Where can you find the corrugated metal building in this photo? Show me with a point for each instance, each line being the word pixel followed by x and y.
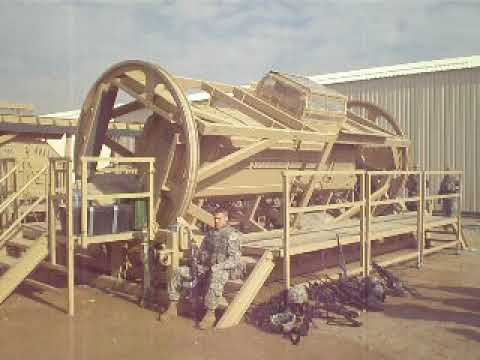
pixel 436 103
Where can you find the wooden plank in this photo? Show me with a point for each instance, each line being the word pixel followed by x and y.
pixel 206 129
pixel 201 214
pixel 209 115
pixel 263 106
pixel 370 125
pixel 40 285
pixel 235 117
pixel 190 84
pixel 247 293
pixel 117 148
pixel 237 104
pixel 165 172
pixel 227 190
pixel 232 159
pixel 16 106
pixel 307 194
pixel 250 217
pixel 137 91
pixel 127 108
pixel 103 239
pixel 371 139
pixel 138 195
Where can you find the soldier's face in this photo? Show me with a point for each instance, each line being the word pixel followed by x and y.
pixel 221 220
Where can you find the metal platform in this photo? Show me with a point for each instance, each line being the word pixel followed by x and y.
pixel 324 236
pixel 54 127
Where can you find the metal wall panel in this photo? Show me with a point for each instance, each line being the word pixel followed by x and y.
pixel 439 113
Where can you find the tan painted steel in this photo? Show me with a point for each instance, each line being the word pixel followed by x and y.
pixel 233 145
pixel 438 110
pixel 369 227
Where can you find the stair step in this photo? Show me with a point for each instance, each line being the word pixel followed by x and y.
pixel 7 261
pixel 34 230
pixel 20 243
pixel 19 268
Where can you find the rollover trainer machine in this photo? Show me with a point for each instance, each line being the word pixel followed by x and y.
pixel 232 144
pixel 227 146
pixel 267 152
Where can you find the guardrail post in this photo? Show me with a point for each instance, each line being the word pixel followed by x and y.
pixel 368 225
pixel 51 212
pixel 363 237
pixel 420 218
pixel 147 239
pixel 16 204
pixel 84 210
pixel 70 240
pixel 286 229
pixel 459 212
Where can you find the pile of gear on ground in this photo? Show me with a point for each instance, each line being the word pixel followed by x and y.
pixel 337 301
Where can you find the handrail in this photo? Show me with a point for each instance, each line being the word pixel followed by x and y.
pixel 9 172
pixel 308 209
pixel 12 198
pixel 86 196
pixel 89 159
pixel 443 196
pixel 395 201
pixel 367 201
pixel 394 172
pixel 3 236
pixel 443 172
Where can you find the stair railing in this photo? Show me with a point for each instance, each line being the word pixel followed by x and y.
pixel 14 198
pixel 7 175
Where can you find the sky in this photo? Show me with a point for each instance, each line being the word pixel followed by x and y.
pixel 51 52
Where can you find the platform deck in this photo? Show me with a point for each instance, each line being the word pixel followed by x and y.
pixel 324 236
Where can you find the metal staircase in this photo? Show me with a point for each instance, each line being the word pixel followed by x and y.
pixel 20 256
pixel 22 246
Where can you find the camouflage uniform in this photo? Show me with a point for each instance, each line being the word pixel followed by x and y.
pixel 449 185
pixel 297 295
pixel 412 190
pixel 220 253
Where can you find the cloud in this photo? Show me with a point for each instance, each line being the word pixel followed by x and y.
pixel 52 52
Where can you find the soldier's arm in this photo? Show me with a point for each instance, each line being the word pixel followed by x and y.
pixel 233 253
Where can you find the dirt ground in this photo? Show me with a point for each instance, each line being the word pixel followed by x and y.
pixel 442 323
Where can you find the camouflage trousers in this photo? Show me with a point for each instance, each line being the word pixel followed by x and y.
pixel 214 290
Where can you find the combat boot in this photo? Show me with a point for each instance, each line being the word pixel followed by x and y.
pixel 222 303
pixel 170 313
pixel 208 320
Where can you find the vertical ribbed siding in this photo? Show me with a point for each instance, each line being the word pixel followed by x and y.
pixel 438 112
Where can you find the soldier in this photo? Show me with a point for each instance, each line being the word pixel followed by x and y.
pixel 219 261
pixel 413 188
pixel 449 185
